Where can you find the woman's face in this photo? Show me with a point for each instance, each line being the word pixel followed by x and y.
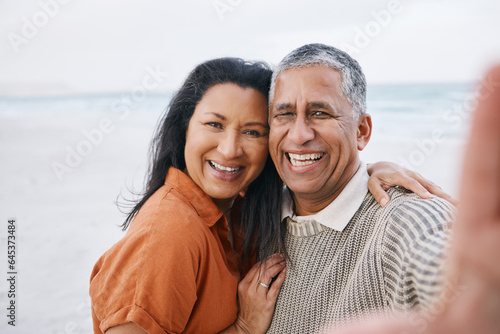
pixel 226 140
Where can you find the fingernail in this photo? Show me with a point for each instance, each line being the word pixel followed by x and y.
pixel 384 202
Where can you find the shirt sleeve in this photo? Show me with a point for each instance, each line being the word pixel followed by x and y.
pixel 415 246
pixel 150 276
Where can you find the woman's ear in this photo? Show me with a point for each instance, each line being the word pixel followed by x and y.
pixel 243 192
pixel 364 130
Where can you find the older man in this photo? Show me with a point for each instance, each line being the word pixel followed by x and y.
pixel 475 256
pixel 348 255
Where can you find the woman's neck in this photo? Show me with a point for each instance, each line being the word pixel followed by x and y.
pixel 224 205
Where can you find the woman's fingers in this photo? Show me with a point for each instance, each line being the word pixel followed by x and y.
pixel 265 270
pixel 412 181
pixel 428 187
pixel 256 301
pixel 387 174
pixel 276 286
pixel 265 282
pixel 375 187
pixel 271 268
pixel 438 191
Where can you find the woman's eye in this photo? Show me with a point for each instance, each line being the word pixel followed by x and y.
pixel 252 133
pixel 216 125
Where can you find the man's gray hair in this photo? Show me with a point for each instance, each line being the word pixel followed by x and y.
pixel 353 79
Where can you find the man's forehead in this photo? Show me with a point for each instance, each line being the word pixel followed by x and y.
pixel 318 84
pixel 317 73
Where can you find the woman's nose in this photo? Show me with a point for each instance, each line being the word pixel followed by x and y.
pixel 230 145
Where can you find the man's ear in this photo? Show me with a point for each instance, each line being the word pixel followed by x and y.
pixel 364 130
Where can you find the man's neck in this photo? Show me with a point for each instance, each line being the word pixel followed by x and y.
pixel 310 204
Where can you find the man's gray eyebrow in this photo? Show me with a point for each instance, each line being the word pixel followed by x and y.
pixel 284 106
pixel 321 105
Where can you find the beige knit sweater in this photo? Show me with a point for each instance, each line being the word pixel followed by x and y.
pixel 388 259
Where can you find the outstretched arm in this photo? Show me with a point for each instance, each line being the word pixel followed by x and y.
pixel 476 252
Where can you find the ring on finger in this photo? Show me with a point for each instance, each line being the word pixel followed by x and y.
pixel 263 284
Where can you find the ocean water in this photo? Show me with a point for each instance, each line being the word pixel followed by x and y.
pixel 401 112
pixel 415 110
pixel 399 109
pixel 68 217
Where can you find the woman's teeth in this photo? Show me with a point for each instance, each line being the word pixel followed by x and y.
pixel 298 160
pixel 224 168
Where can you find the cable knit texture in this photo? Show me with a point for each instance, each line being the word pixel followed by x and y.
pixel 386 259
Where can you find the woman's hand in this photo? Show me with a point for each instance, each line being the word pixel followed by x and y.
pixel 256 301
pixel 384 175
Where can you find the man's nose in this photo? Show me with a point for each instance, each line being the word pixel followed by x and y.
pixel 230 145
pixel 301 132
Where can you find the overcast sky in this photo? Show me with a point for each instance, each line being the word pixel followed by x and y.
pixel 95 46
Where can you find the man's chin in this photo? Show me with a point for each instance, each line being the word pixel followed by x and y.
pixel 303 188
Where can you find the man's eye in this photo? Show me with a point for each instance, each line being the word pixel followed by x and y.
pixel 284 114
pixel 318 113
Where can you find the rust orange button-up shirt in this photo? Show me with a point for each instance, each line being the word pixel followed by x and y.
pixel 174 271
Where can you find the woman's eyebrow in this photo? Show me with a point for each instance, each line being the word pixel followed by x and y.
pixel 216 114
pixel 257 123
pixel 246 124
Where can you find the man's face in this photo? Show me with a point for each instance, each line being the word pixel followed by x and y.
pixel 314 136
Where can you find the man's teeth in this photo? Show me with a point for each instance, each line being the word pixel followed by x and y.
pixel 304 159
pixel 224 168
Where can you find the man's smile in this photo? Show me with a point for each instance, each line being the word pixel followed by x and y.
pixel 299 160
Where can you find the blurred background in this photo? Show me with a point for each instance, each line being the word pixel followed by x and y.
pixel 83 83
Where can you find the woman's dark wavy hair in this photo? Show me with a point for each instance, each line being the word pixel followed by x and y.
pixel 260 212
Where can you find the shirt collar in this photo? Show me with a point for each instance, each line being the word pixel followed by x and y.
pixel 339 212
pixel 200 201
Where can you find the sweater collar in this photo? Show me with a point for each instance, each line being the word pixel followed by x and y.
pixel 201 202
pixel 339 212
